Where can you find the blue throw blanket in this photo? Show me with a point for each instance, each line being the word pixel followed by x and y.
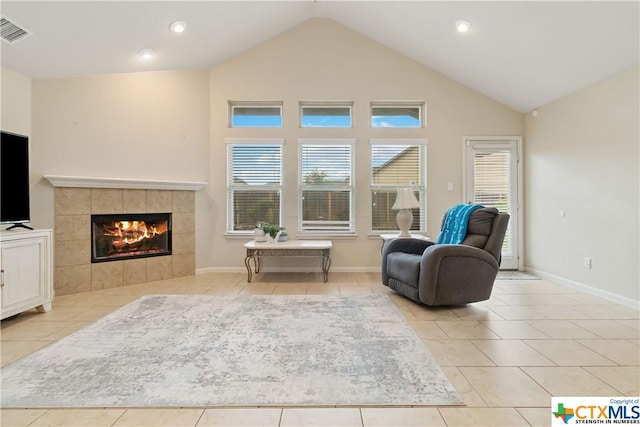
pixel 455 224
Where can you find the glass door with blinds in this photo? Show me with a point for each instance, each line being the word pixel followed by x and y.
pixel 493 179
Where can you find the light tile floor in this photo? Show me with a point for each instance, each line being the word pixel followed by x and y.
pixel 506 356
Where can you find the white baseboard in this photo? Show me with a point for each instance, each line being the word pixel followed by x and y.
pixel 207 270
pixel 618 299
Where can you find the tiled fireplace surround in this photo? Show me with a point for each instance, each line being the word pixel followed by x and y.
pixel 74 271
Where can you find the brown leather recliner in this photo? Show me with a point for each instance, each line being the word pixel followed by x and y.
pixel 446 274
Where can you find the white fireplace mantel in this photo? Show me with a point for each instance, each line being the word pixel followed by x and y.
pixel 126 183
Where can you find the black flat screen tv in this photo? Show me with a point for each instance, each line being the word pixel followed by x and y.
pixel 14 180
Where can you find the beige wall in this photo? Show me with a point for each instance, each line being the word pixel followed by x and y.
pixel 16 102
pixel 323 60
pixel 582 158
pixel 151 125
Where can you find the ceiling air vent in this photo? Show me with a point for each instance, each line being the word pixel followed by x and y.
pixel 11 32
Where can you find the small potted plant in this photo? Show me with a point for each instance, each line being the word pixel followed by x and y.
pixel 273 231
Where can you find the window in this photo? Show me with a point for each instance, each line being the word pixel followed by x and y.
pixel 397 114
pixel 254 183
pixel 326 114
pixel 255 114
pixel 397 163
pixel 326 185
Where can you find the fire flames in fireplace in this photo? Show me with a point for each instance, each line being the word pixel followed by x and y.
pixel 131 233
pixel 139 235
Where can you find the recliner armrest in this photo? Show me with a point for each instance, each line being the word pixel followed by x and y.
pixel 401 244
pixel 450 274
pixel 435 253
pixel 406 245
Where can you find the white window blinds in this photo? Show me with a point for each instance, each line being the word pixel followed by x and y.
pixel 325 185
pixel 254 184
pixel 395 164
pixel 492 185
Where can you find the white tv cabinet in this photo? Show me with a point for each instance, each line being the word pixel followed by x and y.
pixel 25 264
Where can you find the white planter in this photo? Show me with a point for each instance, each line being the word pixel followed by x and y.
pixel 259 235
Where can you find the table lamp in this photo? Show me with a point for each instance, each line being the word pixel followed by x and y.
pixel 405 201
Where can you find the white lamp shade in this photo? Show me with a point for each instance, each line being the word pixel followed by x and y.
pixel 405 199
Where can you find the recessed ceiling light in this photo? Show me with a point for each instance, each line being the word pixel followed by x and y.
pixel 146 54
pixel 463 26
pixel 178 26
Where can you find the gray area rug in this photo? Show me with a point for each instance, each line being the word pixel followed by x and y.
pixel 203 351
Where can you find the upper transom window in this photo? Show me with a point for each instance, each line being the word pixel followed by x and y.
pixel 397 114
pixel 326 114
pixel 255 114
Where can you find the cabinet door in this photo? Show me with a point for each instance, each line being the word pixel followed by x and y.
pixel 23 276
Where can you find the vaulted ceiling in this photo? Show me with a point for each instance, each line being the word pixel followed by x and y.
pixel 521 53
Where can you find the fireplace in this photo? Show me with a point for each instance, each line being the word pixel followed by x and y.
pixel 126 236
